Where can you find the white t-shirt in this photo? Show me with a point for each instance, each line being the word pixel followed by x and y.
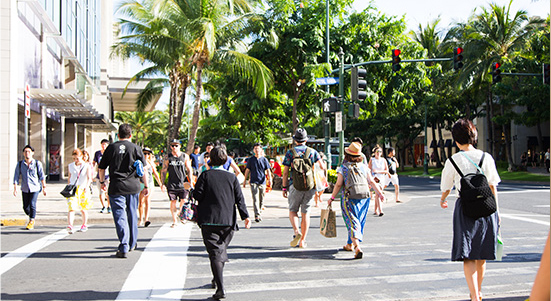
pixel 451 177
pixel 75 170
pixel 378 165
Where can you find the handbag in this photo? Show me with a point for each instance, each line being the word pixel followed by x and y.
pixel 328 222
pixel 189 211
pixel 70 190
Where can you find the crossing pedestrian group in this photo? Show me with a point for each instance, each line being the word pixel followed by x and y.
pixel 126 173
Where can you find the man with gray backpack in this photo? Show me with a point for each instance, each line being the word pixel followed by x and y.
pixel 300 188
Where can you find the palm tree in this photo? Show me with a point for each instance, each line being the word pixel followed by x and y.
pixel 155 34
pixel 494 35
pixel 428 37
pixel 143 124
pixel 180 37
pixel 217 29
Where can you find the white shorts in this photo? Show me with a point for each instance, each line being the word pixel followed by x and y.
pixel 393 179
pixel 99 186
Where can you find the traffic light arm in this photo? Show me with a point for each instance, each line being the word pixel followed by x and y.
pixel 348 67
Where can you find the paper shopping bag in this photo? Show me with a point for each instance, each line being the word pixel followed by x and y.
pixel 328 223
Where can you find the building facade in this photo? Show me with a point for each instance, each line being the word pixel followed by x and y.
pixel 56 53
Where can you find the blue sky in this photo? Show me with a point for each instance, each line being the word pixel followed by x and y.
pixel 421 12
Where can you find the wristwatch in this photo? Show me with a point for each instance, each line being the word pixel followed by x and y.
pixel 102 182
pixel 145 187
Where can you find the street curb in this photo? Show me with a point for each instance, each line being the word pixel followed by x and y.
pixel 13 222
pixel 504 182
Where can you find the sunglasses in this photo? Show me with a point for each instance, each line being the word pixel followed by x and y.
pixel 175 145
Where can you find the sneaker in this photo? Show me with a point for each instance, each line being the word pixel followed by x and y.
pixel 70 229
pixel 84 228
pixel 102 210
pixel 108 209
pixel 120 254
pixel 30 225
pixel 258 219
pixel 296 239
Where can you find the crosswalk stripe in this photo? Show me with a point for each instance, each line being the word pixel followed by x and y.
pixel 15 257
pixel 525 219
pixel 160 273
pixel 360 281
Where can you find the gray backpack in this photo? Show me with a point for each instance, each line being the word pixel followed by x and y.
pixel 356 182
pixel 302 171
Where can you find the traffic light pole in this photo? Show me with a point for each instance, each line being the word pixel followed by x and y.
pixel 341 96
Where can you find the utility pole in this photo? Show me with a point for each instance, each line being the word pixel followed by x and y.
pixel 327 120
pixel 341 96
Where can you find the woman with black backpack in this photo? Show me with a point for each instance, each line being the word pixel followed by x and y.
pixel 475 217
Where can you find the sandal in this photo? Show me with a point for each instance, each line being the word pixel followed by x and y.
pixel 348 247
pixel 359 254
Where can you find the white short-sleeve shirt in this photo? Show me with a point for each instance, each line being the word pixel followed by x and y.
pixel 450 177
pixel 75 170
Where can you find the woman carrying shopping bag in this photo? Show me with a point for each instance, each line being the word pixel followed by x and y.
pixel 354 177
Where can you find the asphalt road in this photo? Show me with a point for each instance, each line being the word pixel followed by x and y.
pixel 406 257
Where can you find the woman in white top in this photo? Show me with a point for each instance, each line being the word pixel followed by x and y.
pixel 80 175
pixel 379 170
pixel 474 240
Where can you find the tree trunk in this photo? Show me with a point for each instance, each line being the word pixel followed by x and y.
pixel 184 83
pixel 490 114
pixel 295 102
pixel 410 148
pixel 540 138
pixel 441 145
pixel 435 148
pixel 196 109
pixel 171 110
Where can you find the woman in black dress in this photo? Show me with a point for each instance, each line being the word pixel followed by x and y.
pixel 474 240
pixel 218 193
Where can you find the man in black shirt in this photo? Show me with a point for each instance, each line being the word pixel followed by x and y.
pixel 178 166
pixel 121 157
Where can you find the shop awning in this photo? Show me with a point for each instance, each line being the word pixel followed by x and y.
pixel 117 86
pixel 71 105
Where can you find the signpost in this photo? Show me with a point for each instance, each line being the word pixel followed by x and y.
pixel 338 122
pixel 27 99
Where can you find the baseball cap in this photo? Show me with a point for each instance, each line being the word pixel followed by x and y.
pixel 175 141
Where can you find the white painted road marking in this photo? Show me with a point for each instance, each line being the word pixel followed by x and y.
pixel 160 273
pixel 525 219
pixel 15 257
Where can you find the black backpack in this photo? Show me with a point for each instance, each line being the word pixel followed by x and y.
pixel 391 167
pixel 476 196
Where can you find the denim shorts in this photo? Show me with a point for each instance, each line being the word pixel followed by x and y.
pixel 300 199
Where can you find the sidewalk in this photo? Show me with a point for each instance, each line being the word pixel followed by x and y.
pixel 52 208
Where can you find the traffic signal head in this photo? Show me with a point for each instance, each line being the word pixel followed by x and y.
pixel 496 73
pixel 358 84
pixel 457 58
pixel 396 59
pixel 546 74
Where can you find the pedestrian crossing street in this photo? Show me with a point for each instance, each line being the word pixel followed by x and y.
pixel 406 258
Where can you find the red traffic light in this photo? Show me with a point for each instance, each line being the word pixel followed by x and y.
pixel 458 50
pixel 396 52
pixel 497 65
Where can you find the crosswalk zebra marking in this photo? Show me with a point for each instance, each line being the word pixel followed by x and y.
pixel 15 257
pixel 161 271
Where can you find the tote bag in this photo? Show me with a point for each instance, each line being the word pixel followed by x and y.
pixel 328 223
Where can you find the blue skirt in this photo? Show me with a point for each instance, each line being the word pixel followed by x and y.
pixel 474 239
pixel 354 213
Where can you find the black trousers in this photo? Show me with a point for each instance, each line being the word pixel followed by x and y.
pixel 216 240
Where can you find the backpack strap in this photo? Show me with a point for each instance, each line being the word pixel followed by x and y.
pixel 295 154
pixel 478 167
pixel 456 168
pixel 307 153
